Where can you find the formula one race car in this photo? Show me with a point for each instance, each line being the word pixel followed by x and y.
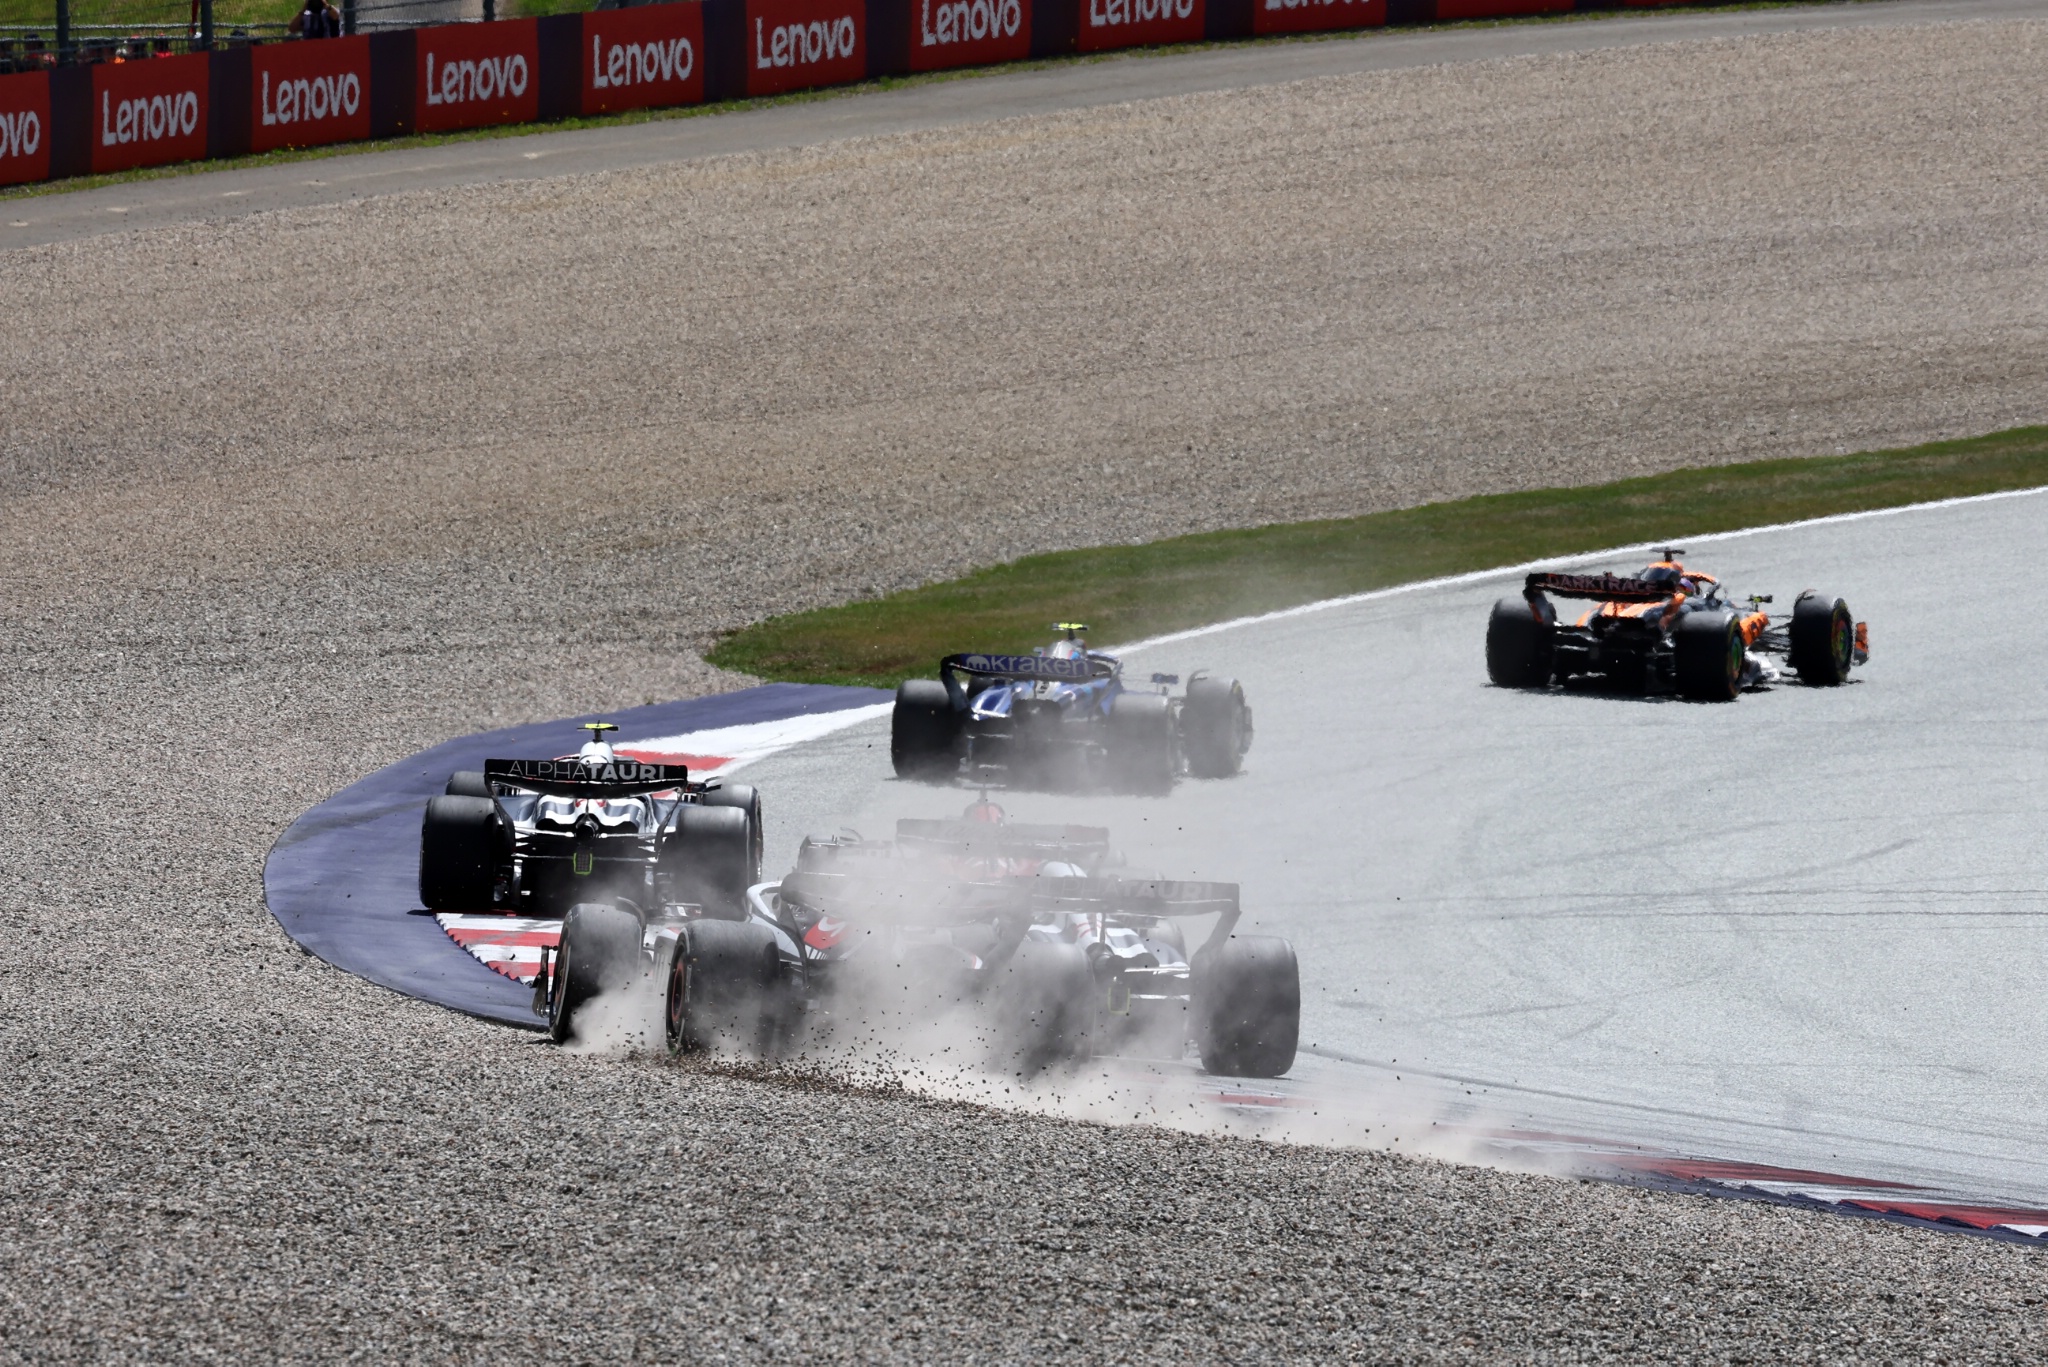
pixel 1021 928
pixel 1063 719
pixel 1668 628
pixel 611 845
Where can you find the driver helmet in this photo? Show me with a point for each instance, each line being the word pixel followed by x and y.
pixel 1668 572
pixel 597 750
pixel 984 813
pixel 1069 649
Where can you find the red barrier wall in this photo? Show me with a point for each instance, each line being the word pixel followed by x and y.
pixel 950 33
pixel 24 128
pixel 304 94
pixel 476 75
pixel 148 113
pixel 1137 23
pixel 1497 9
pixel 1315 16
pixel 642 58
pixel 798 44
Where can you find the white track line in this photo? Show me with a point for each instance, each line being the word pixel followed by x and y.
pixel 1480 576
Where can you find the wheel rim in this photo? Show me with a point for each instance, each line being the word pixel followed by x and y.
pixel 1842 640
pixel 558 993
pixel 677 1010
pixel 1734 660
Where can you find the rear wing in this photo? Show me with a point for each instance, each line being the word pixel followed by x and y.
pixel 1046 668
pixel 893 895
pixel 969 839
pixel 1607 588
pixel 572 778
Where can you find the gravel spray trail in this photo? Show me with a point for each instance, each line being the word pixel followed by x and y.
pixel 289 498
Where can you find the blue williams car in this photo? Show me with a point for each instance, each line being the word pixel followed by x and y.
pixel 1063 719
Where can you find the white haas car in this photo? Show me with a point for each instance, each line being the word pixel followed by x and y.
pixel 1025 927
pixel 614 847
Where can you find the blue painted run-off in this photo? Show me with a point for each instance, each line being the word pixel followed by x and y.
pixel 343 881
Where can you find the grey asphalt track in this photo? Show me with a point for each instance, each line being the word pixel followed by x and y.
pixel 35 220
pixel 1806 928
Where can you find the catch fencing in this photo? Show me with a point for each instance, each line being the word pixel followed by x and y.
pixel 155 100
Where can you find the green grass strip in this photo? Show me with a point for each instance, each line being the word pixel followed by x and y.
pixel 1128 592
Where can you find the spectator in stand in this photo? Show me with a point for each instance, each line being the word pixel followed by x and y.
pixel 317 19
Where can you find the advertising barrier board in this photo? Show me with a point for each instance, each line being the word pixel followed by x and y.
pixel 477 75
pixel 1497 9
pixel 305 94
pixel 799 44
pixel 24 128
pixel 148 113
pixel 642 58
pixel 1139 23
pixel 1315 16
pixel 950 33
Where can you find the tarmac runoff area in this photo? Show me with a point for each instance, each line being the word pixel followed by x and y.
pixel 323 488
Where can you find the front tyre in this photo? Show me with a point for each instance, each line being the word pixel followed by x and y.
pixel 709 858
pixel 1247 1006
pixel 745 798
pixel 1709 655
pixel 721 988
pixel 1216 727
pixel 1823 639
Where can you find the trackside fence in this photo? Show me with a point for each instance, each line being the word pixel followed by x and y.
pixel 151 104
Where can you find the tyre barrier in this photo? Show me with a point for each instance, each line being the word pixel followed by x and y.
pixel 115 116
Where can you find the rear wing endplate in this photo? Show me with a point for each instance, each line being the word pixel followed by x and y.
pixel 1607 588
pixel 572 778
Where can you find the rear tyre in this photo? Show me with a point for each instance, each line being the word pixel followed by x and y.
pixel 1823 639
pixel 1141 743
pixel 721 988
pixel 467 783
pixel 599 952
pixel 1216 726
pixel 708 859
pixel 744 797
pixel 1708 654
pixel 1247 1006
pixel 922 730
pixel 1517 645
pixel 465 843
pixel 1046 1008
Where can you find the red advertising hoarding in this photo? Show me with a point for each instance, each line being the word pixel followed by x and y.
pixel 1316 16
pixel 797 44
pixel 950 33
pixel 476 75
pixel 304 94
pixel 24 128
pixel 149 112
pixel 1139 23
pixel 1497 9
pixel 642 58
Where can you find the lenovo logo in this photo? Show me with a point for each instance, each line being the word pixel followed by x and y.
pixel 311 99
pixel 148 119
pixel 819 41
pixel 624 64
pixel 475 80
pixel 1112 13
pixel 968 21
pixel 21 134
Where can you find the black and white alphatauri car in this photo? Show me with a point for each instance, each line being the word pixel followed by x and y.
pixel 1030 930
pixel 615 847
pixel 1064 719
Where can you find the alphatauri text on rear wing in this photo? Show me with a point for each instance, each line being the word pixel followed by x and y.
pixel 572 778
pixel 1607 588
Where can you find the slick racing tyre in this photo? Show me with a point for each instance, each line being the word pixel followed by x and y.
pixel 1246 1008
pixel 465 843
pixel 1823 639
pixel 708 859
pixel 1045 999
pixel 746 799
pixel 721 988
pixel 1517 645
pixel 467 783
pixel 599 952
pixel 1708 655
pixel 1216 727
pixel 922 730
pixel 1141 743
